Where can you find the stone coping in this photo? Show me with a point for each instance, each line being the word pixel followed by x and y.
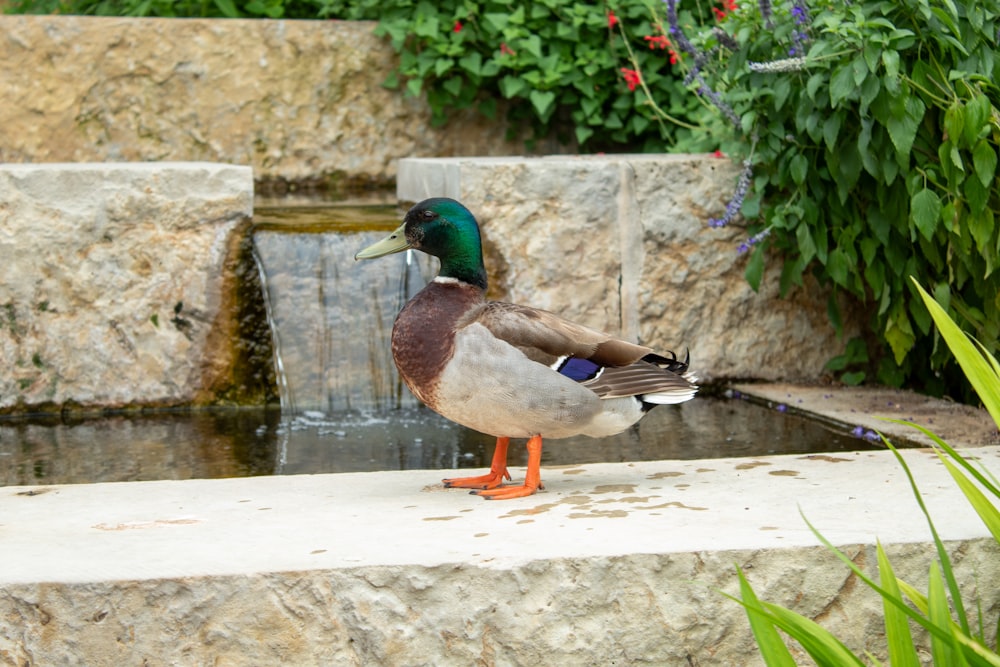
pixel 166 529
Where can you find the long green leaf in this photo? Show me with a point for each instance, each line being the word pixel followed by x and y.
pixel 976 652
pixel 945 561
pixel 979 366
pixel 937 610
pixel 899 604
pixel 819 643
pixel 897 627
pixel 770 643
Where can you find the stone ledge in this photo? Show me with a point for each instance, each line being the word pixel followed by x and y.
pixel 612 562
pixel 118 283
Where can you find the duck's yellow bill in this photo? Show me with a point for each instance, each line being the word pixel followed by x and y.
pixel 395 242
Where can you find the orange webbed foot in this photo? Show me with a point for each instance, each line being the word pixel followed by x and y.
pixel 532 478
pixel 494 478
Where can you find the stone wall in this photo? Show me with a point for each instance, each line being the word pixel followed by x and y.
pixel 298 101
pixel 621 243
pixel 120 286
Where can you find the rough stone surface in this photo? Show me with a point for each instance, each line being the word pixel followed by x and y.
pixel 621 243
pixel 612 564
pixel 296 100
pixel 871 408
pixel 116 283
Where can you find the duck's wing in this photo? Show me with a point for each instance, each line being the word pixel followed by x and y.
pixel 608 366
pixel 545 337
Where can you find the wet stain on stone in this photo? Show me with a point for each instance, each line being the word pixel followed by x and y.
pixel 573 471
pixel 769 528
pixel 784 473
pixel 440 518
pixel 676 504
pixel 751 465
pixel 614 488
pixel 537 509
pixel 600 514
pixel 145 524
pixel 664 475
pixel 480 534
pixel 824 457
pixel 705 470
pixel 526 521
pixel 627 499
pixel 317 551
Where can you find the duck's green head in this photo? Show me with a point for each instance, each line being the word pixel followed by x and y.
pixel 441 227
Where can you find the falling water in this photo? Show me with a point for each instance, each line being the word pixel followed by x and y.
pixel 331 317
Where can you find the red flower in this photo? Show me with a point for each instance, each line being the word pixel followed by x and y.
pixel 727 6
pixel 631 78
pixel 612 19
pixel 661 42
pixel 718 154
pixel 657 41
pixel 458 27
pixel 506 50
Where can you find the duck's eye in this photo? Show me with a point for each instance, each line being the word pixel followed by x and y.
pixel 429 215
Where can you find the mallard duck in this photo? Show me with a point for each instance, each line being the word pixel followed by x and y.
pixel 508 370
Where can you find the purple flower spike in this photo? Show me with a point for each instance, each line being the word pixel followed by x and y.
pixel 858 431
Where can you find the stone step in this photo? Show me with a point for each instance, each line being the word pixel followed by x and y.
pixel 612 563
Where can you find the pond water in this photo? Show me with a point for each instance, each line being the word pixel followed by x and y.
pixel 343 406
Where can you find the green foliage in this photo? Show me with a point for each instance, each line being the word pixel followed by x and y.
pixel 558 64
pixel 876 159
pixel 954 640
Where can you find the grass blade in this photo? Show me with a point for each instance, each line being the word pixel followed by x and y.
pixel 942 650
pixel 772 646
pixel 818 642
pixel 899 639
pixel 979 366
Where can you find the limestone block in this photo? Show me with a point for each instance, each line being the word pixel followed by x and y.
pixel 296 100
pixel 116 282
pixel 621 243
pixel 612 564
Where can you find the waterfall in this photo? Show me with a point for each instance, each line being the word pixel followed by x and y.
pixel 331 317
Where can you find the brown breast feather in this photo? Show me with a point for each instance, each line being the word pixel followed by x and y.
pixel 423 336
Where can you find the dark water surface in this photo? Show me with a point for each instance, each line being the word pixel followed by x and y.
pixel 248 442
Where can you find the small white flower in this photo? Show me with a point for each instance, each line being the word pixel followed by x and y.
pixel 783 65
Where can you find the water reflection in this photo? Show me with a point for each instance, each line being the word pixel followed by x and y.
pixel 242 443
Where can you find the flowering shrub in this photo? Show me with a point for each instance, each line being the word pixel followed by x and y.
pixel 558 63
pixel 869 134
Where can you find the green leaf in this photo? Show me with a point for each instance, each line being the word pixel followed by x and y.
pixel 511 86
pixel 772 647
pixel 755 268
pixel 903 124
pixel 899 639
pixel 841 85
pixel 979 366
pixel 798 167
pixel 831 130
pixel 899 333
pixel 940 615
pixel 925 212
pixel 984 161
pixel 227 8
pixel 543 101
pixel 472 62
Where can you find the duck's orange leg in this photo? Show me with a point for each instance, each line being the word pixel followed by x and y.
pixel 532 478
pixel 492 479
